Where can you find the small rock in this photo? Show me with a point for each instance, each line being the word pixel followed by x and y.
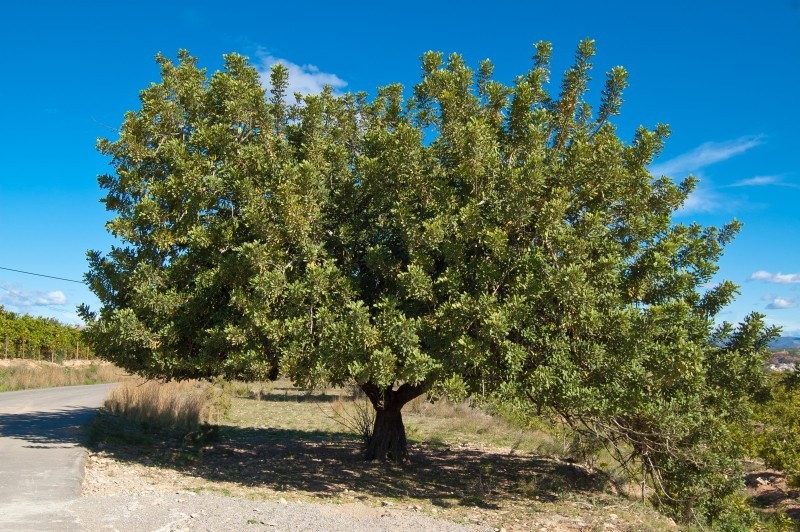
pixel 386 503
pixel 282 501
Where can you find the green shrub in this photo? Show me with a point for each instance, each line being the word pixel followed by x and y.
pixel 777 439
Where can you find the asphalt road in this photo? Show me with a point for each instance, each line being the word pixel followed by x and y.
pixel 41 457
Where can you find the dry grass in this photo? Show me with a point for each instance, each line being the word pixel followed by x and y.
pixel 278 441
pixel 355 414
pixel 19 374
pixel 447 423
pixel 176 406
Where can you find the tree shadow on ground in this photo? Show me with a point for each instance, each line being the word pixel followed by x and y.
pixel 326 463
pixel 47 429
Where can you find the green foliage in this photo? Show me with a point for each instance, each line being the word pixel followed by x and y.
pixel 473 237
pixel 777 438
pixel 25 336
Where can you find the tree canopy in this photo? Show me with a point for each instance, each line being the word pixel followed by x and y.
pixel 470 237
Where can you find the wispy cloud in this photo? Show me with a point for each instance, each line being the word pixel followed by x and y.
pixel 758 181
pixel 779 278
pixel 704 155
pixel 763 181
pixel 23 299
pixel 305 79
pixel 704 199
pixel 700 200
pixel 782 303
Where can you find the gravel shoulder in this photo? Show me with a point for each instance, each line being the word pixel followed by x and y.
pixel 134 497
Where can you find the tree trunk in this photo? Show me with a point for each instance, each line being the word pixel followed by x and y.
pixel 388 441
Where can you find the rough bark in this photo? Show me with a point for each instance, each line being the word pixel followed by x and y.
pixel 388 441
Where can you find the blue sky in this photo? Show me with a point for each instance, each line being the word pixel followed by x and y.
pixel 724 75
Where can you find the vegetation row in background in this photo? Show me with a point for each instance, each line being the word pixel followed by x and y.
pixel 38 338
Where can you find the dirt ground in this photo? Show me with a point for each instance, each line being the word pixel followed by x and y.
pixel 770 492
pixel 488 488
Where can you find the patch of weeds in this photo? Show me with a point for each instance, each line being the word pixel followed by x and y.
pixel 234 388
pixel 529 487
pixel 184 457
pixel 107 428
pixel 227 492
pixel 5 384
pixel 779 521
pixel 205 435
pixel 486 480
pixel 356 415
pixel 441 503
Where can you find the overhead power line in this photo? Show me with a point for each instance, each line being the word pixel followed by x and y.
pixel 42 275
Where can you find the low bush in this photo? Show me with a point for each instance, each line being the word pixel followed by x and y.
pixel 777 439
pixel 171 406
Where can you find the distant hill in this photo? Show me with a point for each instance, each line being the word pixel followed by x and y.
pixel 785 342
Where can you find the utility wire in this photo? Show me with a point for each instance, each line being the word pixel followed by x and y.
pixel 42 275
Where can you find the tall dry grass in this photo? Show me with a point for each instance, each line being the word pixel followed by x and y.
pixel 23 376
pixel 355 414
pixel 173 406
pixel 445 421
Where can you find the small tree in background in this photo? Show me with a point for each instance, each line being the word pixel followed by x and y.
pixel 476 236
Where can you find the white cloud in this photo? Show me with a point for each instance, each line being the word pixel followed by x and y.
pixel 779 278
pixel 764 180
pixel 782 303
pixel 54 298
pixel 305 79
pixel 758 181
pixel 760 275
pixel 704 155
pixel 700 200
pixel 23 299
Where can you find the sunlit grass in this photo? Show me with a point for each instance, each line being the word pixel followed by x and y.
pixel 174 406
pixel 25 374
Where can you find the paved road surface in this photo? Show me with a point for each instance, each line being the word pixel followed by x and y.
pixel 41 460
